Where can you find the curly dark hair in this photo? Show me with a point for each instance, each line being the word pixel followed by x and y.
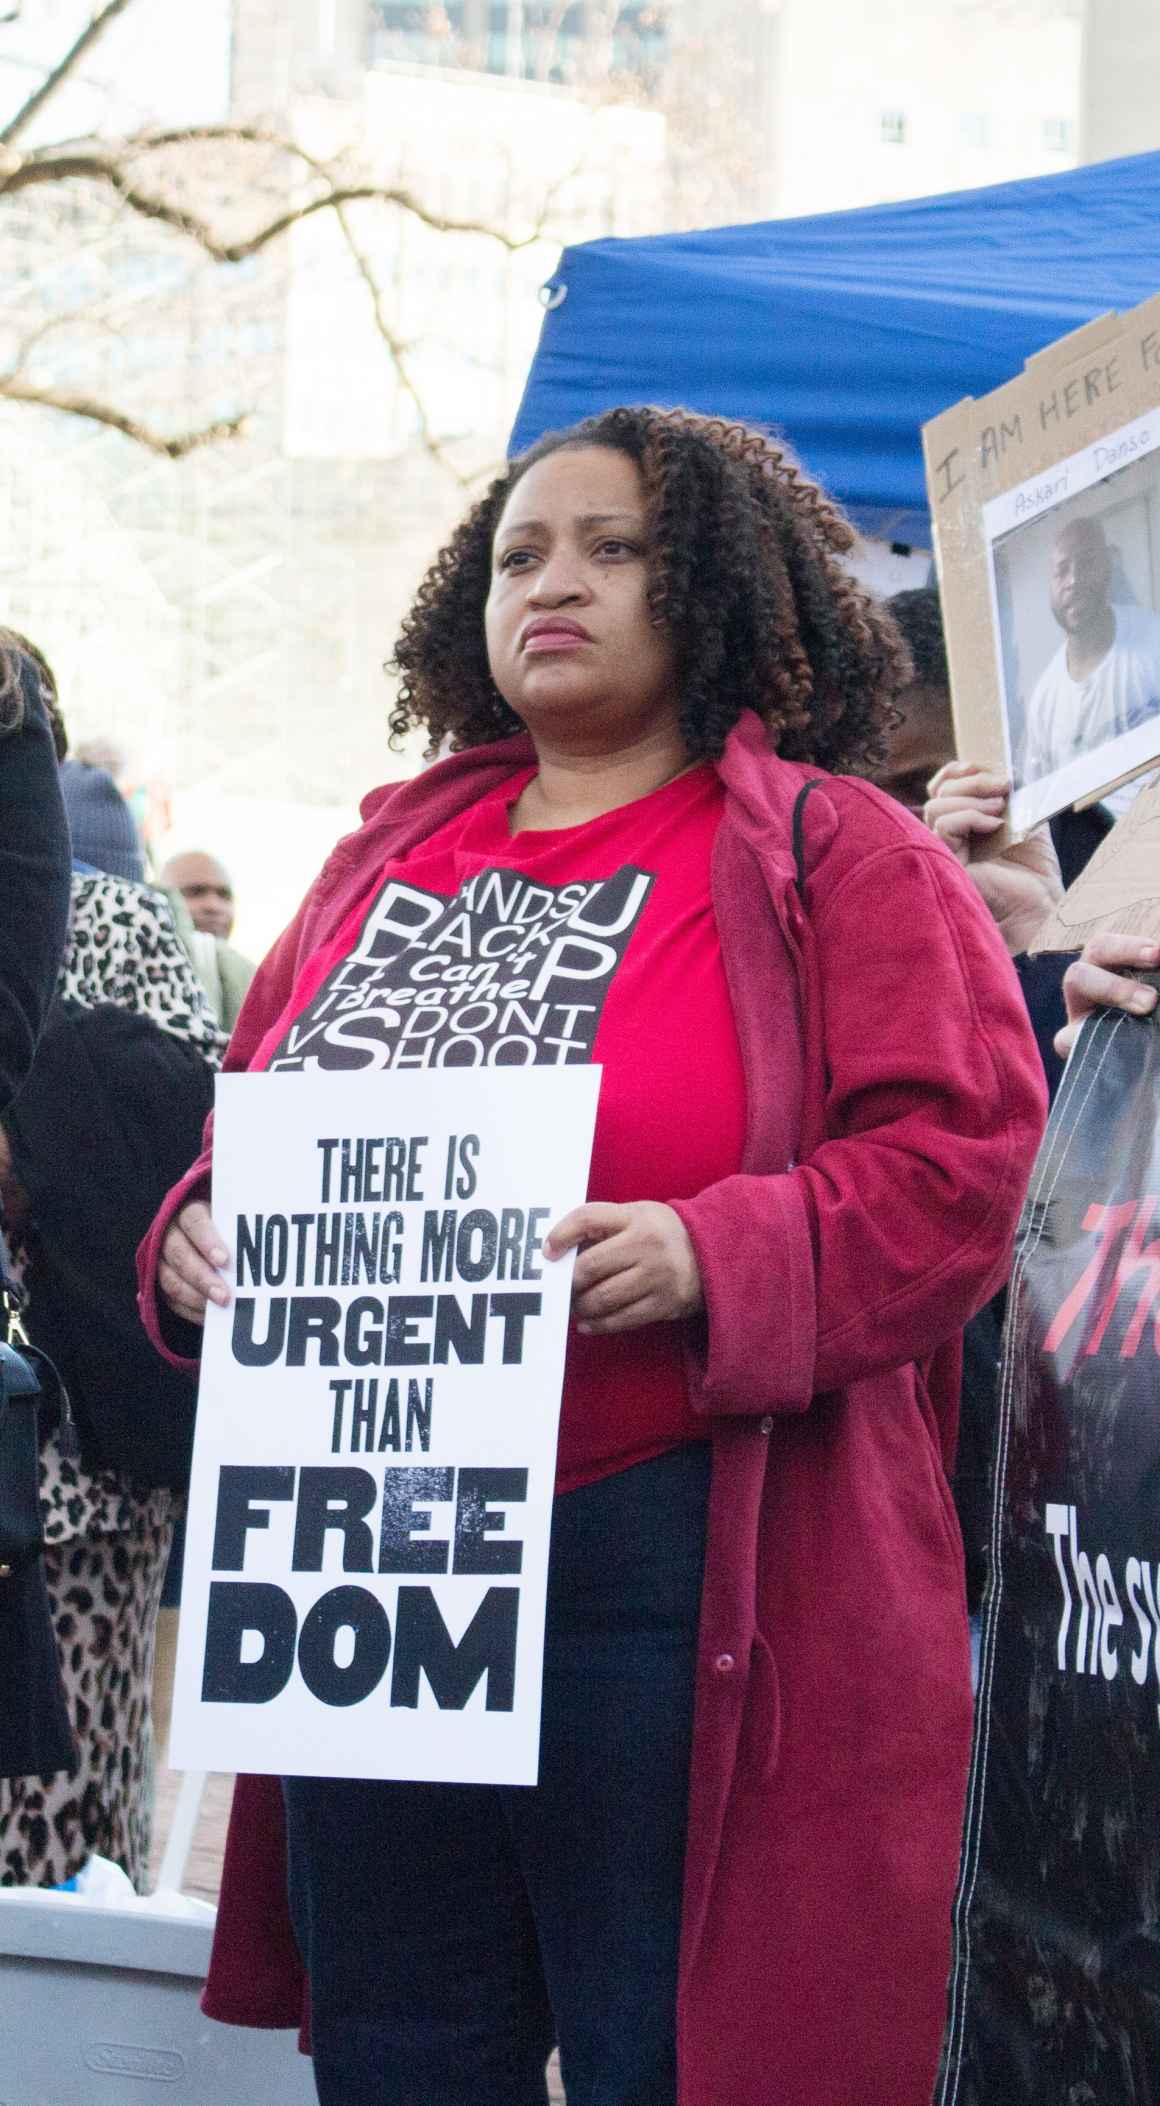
pixel 919 616
pixel 14 647
pixel 744 574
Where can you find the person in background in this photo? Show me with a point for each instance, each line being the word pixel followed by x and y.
pixel 1019 890
pixel 1023 886
pixel 112 1103
pixel 201 894
pixel 647 658
pixel 146 921
pixel 922 737
pixel 104 834
pixel 965 805
pixel 104 753
pixel 35 1734
pixel 123 1079
pixel 207 889
pixel 147 796
pixel 34 862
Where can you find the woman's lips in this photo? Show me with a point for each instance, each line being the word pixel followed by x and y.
pixel 563 639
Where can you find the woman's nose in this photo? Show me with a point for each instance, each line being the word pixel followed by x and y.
pixel 558 580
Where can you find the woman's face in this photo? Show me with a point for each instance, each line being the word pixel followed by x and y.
pixel 569 640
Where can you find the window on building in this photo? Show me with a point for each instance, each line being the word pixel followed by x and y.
pixel 892 127
pixel 476 32
pixel 1058 135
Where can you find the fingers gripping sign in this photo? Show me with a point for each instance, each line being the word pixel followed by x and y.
pixel 636 1266
pixel 1101 979
pixel 1021 884
pixel 966 801
pixel 192 1255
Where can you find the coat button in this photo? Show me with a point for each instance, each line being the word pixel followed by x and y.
pixel 724 1664
pixel 767 1423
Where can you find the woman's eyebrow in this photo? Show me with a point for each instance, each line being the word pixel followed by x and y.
pixel 595 519
pixel 583 519
pixel 521 526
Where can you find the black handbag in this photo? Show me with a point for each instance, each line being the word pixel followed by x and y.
pixel 27 1378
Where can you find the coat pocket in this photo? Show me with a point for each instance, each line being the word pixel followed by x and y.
pixel 760 1738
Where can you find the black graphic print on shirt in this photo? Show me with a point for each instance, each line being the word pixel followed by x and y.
pixel 508 973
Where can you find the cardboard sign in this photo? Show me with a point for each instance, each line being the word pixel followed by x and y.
pixel 1119 890
pixel 1045 499
pixel 370 1508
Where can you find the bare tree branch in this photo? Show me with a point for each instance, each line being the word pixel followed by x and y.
pixel 116 170
pixel 68 167
pixel 173 448
pixel 53 325
pixel 62 70
pixel 547 37
pixel 552 195
pixel 328 186
pixel 148 142
pixel 396 349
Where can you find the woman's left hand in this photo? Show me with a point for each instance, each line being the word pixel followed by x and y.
pixel 637 1265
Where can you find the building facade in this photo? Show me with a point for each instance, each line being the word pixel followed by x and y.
pixel 1120 89
pixel 869 100
pixel 525 38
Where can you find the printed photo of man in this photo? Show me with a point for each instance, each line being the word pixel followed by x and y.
pixel 1105 677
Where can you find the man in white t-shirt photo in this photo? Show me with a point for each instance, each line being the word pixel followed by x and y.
pixel 1105 677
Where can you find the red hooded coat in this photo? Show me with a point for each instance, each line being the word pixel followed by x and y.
pixel 895 1102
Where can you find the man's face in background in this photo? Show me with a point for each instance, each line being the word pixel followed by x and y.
pixel 918 747
pixel 204 885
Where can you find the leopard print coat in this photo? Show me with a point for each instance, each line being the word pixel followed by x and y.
pixel 107 1541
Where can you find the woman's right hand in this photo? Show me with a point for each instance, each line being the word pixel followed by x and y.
pixel 1022 885
pixel 192 1254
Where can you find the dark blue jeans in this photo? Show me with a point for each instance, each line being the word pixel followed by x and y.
pixel 453 1933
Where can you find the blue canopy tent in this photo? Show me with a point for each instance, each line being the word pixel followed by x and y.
pixel 848 331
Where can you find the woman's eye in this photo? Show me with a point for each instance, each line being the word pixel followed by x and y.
pixel 618 548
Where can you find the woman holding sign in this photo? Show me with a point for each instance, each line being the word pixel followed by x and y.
pixel 732 1883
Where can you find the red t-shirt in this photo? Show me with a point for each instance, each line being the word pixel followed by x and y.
pixel 594 942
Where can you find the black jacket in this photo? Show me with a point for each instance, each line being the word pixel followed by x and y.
pixel 108 1121
pixel 34 900
pixel 34 888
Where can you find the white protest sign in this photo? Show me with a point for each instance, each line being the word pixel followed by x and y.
pixel 371 1500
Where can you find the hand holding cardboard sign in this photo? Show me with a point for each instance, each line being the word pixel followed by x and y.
pixel 1020 885
pixel 636 1266
pixel 1099 979
pixel 191 1256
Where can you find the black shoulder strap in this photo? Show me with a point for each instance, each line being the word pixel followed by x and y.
pixel 799 835
pixel 12 1294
